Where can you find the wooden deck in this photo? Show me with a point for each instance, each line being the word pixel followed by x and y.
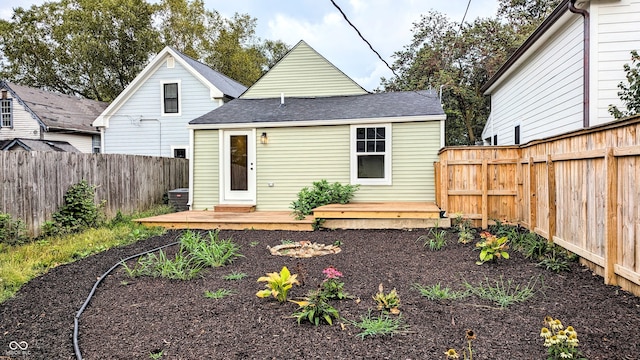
pixel 384 215
pixel 387 215
pixel 259 220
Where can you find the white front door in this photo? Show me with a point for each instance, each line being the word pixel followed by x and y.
pixel 238 174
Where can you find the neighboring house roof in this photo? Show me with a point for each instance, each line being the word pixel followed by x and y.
pixel 538 34
pixel 303 72
pixel 296 110
pixel 220 85
pixel 38 145
pixel 57 112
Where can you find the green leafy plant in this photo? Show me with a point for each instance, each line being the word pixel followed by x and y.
pixel 332 287
pixel 435 239
pixel 254 243
pixel 181 267
pixel 79 211
pixel 629 93
pixel 235 276
pixel 555 260
pixel 214 252
pixel 12 232
pixel 561 343
pixel 218 294
pixel 389 302
pixel 466 233
pixel 492 247
pixel 467 351
pixel 379 325
pixel 503 293
pixel 315 308
pixel 321 193
pixel 157 354
pixel 436 292
pixel 278 284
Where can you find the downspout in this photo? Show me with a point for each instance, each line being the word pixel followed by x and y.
pixel 585 65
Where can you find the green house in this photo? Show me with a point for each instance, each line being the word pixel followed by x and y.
pixel 304 121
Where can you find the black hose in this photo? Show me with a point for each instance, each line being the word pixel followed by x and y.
pixel 76 320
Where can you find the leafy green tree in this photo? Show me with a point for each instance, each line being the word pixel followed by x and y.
pixel 630 92
pixel 95 48
pixel 92 48
pixel 458 59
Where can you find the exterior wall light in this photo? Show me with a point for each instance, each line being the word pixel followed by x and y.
pixel 264 139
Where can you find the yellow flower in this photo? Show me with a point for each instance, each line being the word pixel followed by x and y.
pixel 557 325
pixel 562 335
pixel 452 354
pixel 566 355
pixel 545 333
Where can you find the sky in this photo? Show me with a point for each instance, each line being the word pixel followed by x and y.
pixel 386 24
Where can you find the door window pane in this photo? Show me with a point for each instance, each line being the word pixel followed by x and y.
pixel 238 161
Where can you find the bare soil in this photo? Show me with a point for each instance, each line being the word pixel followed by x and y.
pixel 134 318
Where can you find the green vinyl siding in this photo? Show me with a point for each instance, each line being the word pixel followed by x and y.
pixel 205 169
pixel 295 158
pixel 303 72
pixel 415 147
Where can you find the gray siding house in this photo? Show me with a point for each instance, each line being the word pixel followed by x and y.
pixel 150 116
pixel 38 120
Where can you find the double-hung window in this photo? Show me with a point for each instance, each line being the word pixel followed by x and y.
pixel 6 113
pixel 170 98
pixel 371 154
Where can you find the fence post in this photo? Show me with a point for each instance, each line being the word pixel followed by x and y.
pixel 445 186
pixel 485 195
pixel 551 185
pixel 533 203
pixel 611 223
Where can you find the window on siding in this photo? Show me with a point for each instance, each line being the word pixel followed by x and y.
pixel 180 153
pixel 371 154
pixel 95 144
pixel 495 140
pixel 170 95
pixel 6 113
pixel 516 134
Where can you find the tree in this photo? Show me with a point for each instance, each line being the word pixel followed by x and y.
pixel 458 59
pixel 630 93
pixel 95 48
pixel 84 47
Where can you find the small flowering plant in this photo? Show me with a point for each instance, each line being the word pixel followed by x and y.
pixel 492 247
pixel 387 302
pixel 332 287
pixel 467 353
pixel 561 343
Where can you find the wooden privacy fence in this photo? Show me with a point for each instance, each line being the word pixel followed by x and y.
pixel 580 190
pixel 34 183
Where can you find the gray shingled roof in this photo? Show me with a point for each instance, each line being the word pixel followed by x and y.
pixel 58 111
pixel 227 85
pixel 40 145
pixel 377 105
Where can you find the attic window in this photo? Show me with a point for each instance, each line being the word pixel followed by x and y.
pixel 371 154
pixel 6 113
pixel 171 98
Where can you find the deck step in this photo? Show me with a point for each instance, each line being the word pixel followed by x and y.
pixel 388 215
pixel 231 208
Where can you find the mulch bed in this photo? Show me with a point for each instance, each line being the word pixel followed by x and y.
pixel 133 318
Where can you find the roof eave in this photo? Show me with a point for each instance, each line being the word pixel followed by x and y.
pixel 305 123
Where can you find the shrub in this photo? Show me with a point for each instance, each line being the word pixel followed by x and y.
pixel 321 193
pixel 315 308
pixel 278 284
pixel 78 213
pixel 12 232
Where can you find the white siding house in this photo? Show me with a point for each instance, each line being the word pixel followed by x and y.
pixel 38 120
pixel 150 116
pixel 565 76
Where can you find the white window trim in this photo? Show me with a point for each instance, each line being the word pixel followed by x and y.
pixel 185 147
pixel 162 82
pixel 387 156
pixel 10 101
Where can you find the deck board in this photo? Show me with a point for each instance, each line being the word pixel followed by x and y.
pixel 260 220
